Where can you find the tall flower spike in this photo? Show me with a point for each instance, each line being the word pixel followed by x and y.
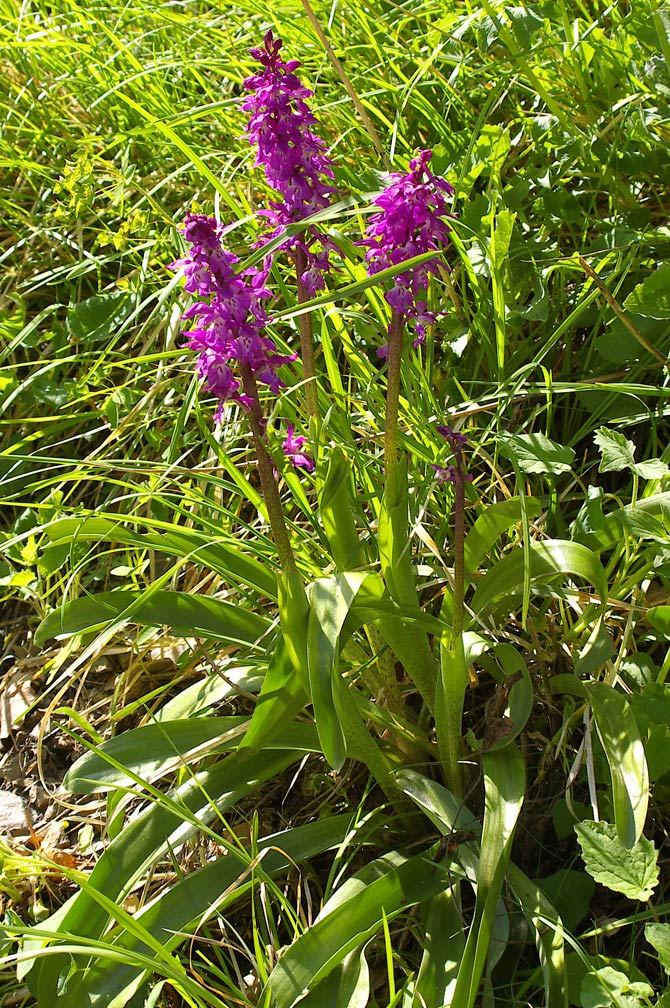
pixel 230 319
pixel 292 155
pixel 410 222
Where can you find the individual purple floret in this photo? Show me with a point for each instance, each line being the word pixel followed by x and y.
pixel 292 155
pixel 292 448
pixel 455 440
pixel 453 473
pixel 230 324
pixel 410 222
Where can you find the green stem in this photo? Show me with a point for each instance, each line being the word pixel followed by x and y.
pixel 393 396
pixel 257 422
pixel 306 339
pixel 453 669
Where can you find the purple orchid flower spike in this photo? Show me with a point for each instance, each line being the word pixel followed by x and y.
pixel 230 317
pixel 410 222
pixel 292 156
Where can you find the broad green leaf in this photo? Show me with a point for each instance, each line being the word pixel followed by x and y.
pixel 447 812
pixel 546 923
pixel 348 986
pixel 504 786
pixel 208 550
pixel 517 688
pixel 442 942
pixel 352 916
pixel 330 601
pixel 187 615
pixel 153 750
pixel 228 681
pixel 294 617
pixel 548 560
pixel 394 544
pixel 450 692
pixel 337 506
pixel 535 453
pixel 195 897
pixel 617 452
pixel 659 618
pixel 610 988
pixel 624 750
pixel 630 871
pixel 282 696
pixel 490 525
pixel 658 935
pixel 651 298
pixel 98 317
pixel 451 815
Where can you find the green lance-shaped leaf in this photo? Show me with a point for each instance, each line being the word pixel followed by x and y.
pixel 548 560
pixel 194 898
pixel 542 916
pixel 451 815
pixel 151 751
pixel 353 915
pixel 504 785
pixel 443 943
pixel 187 615
pixel 294 617
pixel 330 601
pixel 490 525
pixel 623 747
pixel 348 986
pixel 204 549
pixel 282 695
pixel 337 506
pixel 394 543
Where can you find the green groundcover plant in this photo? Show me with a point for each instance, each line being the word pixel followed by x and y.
pixel 378 574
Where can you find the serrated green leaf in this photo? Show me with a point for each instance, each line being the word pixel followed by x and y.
pixel 658 935
pixel 617 452
pixel 652 469
pixel 632 872
pixel 610 988
pixel 651 298
pixel 535 453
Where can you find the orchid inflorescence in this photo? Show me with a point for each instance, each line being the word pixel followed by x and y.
pixel 232 321
pixel 292 155
pixel 231 318
pixel 410 223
